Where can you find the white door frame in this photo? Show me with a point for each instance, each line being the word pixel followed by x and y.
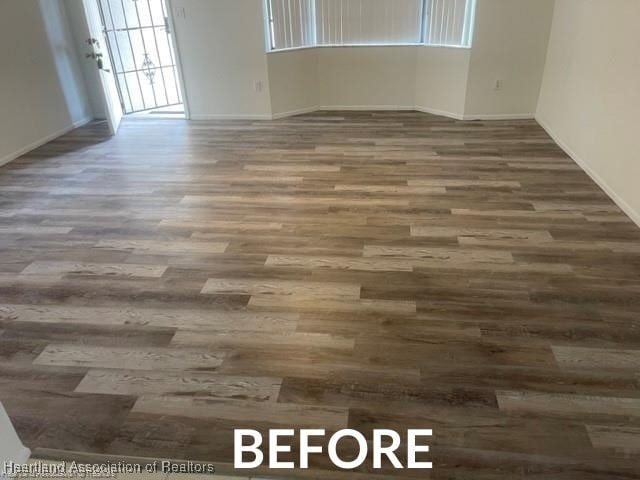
pixel 108 87
pixel 173 36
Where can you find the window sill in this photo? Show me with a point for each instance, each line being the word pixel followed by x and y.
pixel 359 45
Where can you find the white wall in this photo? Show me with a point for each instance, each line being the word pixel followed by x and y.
pixel 441 80
pixel 222 51
pixel 293 81
pixel 372 77
pixel 41 87
pixel 510 45
pixel 590 95
pixel 342 78
pixel 222 46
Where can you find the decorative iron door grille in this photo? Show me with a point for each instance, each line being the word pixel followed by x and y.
pixel 142 55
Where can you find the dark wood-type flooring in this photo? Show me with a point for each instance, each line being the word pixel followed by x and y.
pixel 365 270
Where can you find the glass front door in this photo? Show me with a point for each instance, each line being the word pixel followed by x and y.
pixel 143 59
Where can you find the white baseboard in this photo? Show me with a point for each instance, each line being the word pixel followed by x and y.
pixel 231 116
pixel 38 143
pixel 291 113
pixel 441 113
pixel 338 108
pixel 367 107
pixel 624 206
pixel 506 116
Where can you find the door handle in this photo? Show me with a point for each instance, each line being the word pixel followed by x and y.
pixel 98 58
pixel 96 54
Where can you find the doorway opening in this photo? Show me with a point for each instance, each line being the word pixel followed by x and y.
pixel 145 64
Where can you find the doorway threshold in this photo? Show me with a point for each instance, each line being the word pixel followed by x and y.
pixel 172 111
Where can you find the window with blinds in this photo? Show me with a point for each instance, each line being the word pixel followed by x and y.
pixel 323 23
pixel 449 22
pixel 291 23
pixel 362 22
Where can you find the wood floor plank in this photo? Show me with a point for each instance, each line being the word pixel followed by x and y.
pixel 128 358
pixel 290 288
pixel 449 255
pixel 292 168
pixel 516 214
pixel 356 306
pixel 187 384
pixel 391 189
pixel 76 268
pixel 292 200
pixel 465 234
pixel 620 438
pixel 34 230
pixel 586 357
pixel 281 341
pixel 163 246
pixel 331 418
pixel 417 182
pixel 220 225
pixel 567 405
pixel 204 320
pixel 340 263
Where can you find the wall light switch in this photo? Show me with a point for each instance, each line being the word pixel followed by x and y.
pixel 258 85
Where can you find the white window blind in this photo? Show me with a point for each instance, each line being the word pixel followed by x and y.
pixel 361 22
pixel 291 23
pixel 308 23
pixel 449 22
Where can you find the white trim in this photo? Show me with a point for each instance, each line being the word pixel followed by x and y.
pixel 368 107
pixel 173 36
pixel 291 113
pixel 290 49
pixel 393 108
pixel 267 25
pixel 506 116
pixel 442 113
pixel 38 143
pixel 624 206
pixel 229 116
pixel 347 45
pixel 360 45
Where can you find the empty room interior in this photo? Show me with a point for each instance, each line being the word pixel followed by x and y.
pixel 320 239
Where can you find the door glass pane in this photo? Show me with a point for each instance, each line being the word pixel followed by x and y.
pixel 143 13
pixel 124 91
pixel 136 91
pixel 157 12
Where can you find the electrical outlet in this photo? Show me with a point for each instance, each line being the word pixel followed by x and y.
pixel 497 85
pixel 179 12
pixel 258 86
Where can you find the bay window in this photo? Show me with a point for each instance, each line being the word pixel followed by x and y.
pixel 325 23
